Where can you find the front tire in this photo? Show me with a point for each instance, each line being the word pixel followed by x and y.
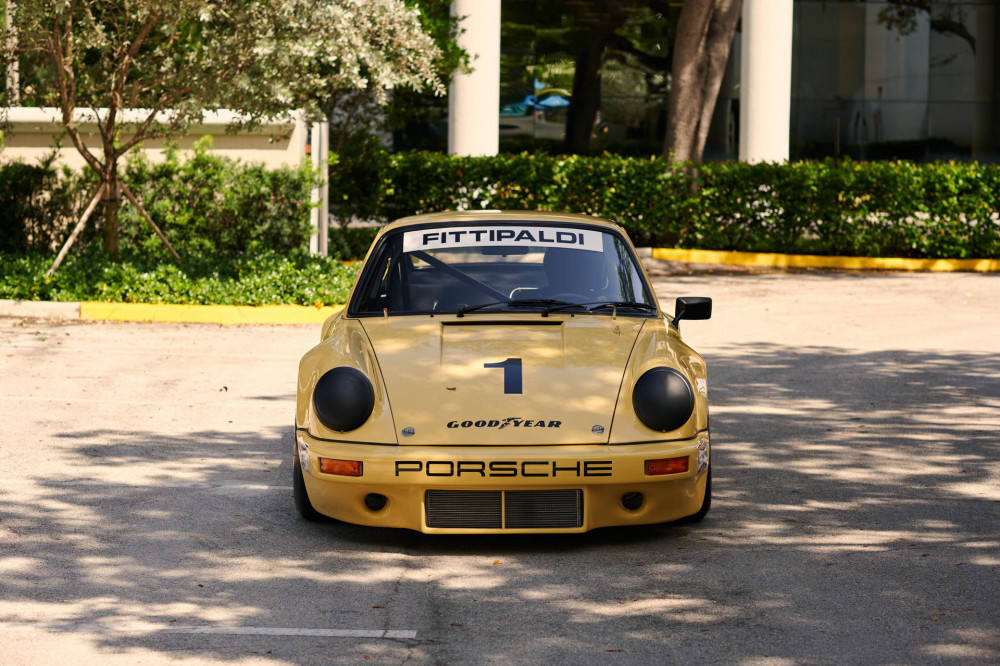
pixel 302 503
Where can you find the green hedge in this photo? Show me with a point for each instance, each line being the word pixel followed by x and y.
pixel 212 206
pixel 257 279
pixel 206 205
pixel 832 208
pixel 215 208
pixel 350 242
pixel 35 200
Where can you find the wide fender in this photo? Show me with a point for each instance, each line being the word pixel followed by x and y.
pixel 659 345
pixel 344 344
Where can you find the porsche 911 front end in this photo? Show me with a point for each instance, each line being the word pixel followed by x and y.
pixel 503 372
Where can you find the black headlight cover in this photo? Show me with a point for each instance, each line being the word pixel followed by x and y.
pixel 343 399
pixel 663 399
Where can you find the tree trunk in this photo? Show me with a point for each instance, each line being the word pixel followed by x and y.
pixel 112 203
pixel 705 32
pixel 586 98
pixel 601 20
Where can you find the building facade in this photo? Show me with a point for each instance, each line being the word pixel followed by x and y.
pixel 878 79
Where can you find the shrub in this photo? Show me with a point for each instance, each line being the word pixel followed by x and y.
pixel 212 206
pixel 835 208
pixel 206 205
pixel 356 177
pixel 259 279
pixel 37 203
pixel 350 242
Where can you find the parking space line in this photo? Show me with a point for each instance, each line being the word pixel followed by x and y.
pixel 193 485
pixel 282 403
pixel 149 628
pixel 151 353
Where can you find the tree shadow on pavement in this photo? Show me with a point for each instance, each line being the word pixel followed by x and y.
pixel 855 513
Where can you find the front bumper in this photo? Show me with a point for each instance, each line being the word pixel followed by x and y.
pixel 602 474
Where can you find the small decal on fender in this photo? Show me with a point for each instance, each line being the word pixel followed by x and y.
pixel 303 454
pixel 702 457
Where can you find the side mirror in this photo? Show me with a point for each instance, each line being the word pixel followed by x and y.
pixel 692 307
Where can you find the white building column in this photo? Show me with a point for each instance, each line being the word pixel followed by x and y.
pixel 474 98
pixel 765 80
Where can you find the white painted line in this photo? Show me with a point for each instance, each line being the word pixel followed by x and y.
pixel 169 484
pixel 292 631
pixel 254 487
pixel 147 628
pixel 152 353
pixel 283 403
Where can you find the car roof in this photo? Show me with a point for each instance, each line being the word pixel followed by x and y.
pixel 490 216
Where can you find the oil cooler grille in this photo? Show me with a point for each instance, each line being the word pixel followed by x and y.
pixel 504 509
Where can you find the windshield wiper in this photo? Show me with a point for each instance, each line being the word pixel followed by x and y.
pixel 635 305
pixel 517 302
pixel 600 305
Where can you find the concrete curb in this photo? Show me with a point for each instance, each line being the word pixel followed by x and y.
pixel 764 259
pixel 43 309
pixel 167 313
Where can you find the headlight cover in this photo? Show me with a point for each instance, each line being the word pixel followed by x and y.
pixel 663 399
pixel 343 399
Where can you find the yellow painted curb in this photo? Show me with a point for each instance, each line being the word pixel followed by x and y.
pixel 207 314
pixel 817 261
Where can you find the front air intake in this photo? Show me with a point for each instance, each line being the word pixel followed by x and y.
pixel 504 509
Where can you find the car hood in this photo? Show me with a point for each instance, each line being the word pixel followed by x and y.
pixel 508 380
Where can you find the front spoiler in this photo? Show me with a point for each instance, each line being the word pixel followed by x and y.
pixel 604 473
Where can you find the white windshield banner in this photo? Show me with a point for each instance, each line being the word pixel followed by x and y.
pixel 447 238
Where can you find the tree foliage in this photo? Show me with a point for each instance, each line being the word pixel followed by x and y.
pixel 149 68
pixel 947 18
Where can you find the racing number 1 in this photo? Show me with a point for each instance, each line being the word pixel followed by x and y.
pixel 511 374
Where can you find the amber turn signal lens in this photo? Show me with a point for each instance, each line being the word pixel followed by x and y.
pixel 666 466
pixel 340 467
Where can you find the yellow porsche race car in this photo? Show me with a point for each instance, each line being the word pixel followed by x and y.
pixel 502 372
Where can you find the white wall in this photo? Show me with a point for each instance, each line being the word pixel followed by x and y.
pixel 35 131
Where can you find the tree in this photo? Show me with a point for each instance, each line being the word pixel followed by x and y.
pixel 8 32
pixel 641 34
pixel 596 22
pixel 705 32
pixel 351 52
pixel 412 108
pixel 945 18
pixel 581 31
pixel 149 68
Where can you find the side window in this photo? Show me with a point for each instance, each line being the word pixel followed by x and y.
pixel 629 281
pixel 383 282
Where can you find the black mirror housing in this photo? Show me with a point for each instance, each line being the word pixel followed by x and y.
pixel 692 307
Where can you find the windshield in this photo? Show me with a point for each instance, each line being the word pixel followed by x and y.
pixel 502 267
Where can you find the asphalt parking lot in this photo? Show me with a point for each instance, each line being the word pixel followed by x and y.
pixel 146 512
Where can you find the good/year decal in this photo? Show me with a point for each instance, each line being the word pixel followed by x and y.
pixel 512 384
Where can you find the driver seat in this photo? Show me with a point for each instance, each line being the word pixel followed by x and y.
pixel 577 272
